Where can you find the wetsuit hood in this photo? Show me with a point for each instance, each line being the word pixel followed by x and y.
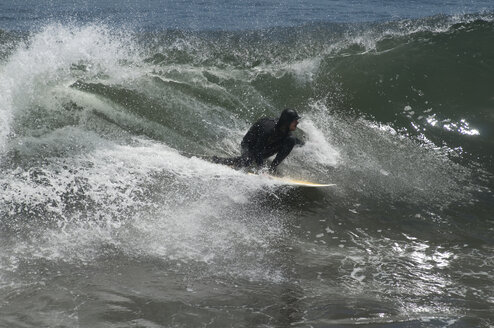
pixel 286 118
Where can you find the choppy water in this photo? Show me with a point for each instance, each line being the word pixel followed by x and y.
pixel 103 223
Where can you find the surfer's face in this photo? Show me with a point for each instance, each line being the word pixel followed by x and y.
pixel 293 125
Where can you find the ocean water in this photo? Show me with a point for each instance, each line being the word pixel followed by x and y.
pixel 107 220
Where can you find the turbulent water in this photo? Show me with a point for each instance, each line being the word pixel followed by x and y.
pixel 108 220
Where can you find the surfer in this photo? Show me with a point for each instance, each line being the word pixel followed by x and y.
pixel 268 136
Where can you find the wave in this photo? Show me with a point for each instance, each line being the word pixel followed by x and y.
pixel 432 84
pixel 94 120
pixel 429 78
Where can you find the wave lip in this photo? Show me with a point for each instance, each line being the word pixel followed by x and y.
pixel 47 60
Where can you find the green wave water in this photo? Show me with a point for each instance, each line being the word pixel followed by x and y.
pixel 105 222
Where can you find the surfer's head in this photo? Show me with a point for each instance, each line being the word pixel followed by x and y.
pixel 288 120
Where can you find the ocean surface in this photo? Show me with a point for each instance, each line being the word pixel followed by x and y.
pixel 107 219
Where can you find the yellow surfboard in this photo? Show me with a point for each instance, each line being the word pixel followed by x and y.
pixel 295 182
pixel 282 180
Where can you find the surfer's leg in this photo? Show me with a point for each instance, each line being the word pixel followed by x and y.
pixel 237 162
pixel 244 160
pixel 232 161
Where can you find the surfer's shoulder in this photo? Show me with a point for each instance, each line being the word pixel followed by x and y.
pixel 266 122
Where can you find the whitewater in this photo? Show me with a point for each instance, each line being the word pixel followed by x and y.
pixel 107 219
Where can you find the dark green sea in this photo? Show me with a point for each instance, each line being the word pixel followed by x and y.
pixel 106 220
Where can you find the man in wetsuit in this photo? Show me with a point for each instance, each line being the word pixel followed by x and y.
pixel 268 136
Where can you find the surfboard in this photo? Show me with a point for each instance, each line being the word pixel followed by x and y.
pixel 294 182
pixel 282 180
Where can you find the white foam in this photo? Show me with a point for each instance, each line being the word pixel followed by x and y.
pixel 47 59
pixel 303 70
pixel 317 147
pixel 145 200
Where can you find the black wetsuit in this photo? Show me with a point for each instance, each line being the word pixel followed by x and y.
pixel 264 139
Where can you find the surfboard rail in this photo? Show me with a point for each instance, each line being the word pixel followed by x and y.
pixel 294 182
pixel 282 180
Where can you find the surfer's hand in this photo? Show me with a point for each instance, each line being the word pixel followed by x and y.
pixel 299 142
